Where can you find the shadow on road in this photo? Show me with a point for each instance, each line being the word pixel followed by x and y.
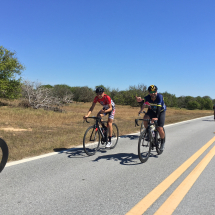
pixel 72 153
pixel 132 137
pixel 209 120
pixel 123 158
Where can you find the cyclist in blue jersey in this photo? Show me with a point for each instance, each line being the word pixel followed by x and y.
pixel 214 111
pixel 156 110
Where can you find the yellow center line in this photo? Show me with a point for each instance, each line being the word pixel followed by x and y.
pixel 148 200
pixel 176 197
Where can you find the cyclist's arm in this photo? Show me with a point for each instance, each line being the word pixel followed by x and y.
pixel 158 111
pixel 139 99
pixel 143 106
pixel 90 110
pixel 110 108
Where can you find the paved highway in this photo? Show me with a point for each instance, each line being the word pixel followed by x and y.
pixel 179 181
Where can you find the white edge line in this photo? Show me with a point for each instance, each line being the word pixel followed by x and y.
pixel 12 163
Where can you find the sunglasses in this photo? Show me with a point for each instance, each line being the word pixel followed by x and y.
pixel 99 93
pixel 153 92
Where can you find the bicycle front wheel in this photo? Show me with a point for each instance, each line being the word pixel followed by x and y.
pixel 144 146
pixel 91 140
pixel 141 126
pixel 3 154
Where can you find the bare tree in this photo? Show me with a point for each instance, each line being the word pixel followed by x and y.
pixel 42 97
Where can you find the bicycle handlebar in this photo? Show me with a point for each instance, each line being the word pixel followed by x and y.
pixel 148 120
pixel 141 112
pixel 92 117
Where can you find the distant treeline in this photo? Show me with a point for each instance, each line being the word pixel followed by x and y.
pixel 127 97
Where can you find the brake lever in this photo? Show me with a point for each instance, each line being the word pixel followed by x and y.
pixel 136 122
pixel 85 120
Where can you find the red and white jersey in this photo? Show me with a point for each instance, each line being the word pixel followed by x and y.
pixel 105 101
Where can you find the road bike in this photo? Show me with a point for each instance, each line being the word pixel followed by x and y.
pixel 3 154
pixel 149 138
pixel 98 133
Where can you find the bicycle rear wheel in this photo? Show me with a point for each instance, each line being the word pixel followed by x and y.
pixel 158 142
pixel 3 154
pixel 115 136
pixel 91 140
pixel 144 146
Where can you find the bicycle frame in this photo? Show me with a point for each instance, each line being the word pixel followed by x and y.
pixel 96 125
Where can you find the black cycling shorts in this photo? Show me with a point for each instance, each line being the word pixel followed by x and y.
pixel 161 119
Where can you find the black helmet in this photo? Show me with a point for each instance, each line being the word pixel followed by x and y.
pixel 99 90
pixel 152 88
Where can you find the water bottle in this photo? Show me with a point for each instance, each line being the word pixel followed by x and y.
pixel 153 134
pixel 153 130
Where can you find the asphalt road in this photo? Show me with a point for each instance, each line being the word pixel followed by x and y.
pixel 115 182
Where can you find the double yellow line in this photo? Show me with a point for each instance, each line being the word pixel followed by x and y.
pixel 175 198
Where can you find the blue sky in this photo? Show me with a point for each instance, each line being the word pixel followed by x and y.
pixel 117 43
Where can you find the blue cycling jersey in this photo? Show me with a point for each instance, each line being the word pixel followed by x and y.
pixel 156 103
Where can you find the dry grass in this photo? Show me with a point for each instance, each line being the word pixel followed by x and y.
pixel 48 130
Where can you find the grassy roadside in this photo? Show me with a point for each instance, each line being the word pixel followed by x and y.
pixel 44 131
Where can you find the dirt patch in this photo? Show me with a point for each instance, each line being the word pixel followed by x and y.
pixel 15 129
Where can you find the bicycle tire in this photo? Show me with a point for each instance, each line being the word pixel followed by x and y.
pixel 144 146
pixel 4 152
pixel 115 136
pixel 158 142
pixel 142 126
pixel 91 140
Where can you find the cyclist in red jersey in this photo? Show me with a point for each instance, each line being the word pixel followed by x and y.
pixel 108 108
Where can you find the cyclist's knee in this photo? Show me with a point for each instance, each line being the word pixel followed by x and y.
pixel 146 117
pixel 100 115
pixel 160 129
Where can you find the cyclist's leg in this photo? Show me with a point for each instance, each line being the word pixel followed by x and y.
pixel 148 115
pixel 99 114
pixel 161 121
pixel 161 132
pixel 110 127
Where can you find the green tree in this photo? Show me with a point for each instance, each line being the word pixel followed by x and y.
pixel 10 68
pixel 181 102
pixel 83 94
pixel 208 104
pixel 130 95
pixel 201 102
pixel 61 91
pixel 192 105
pixel 47 86
pixel 170 99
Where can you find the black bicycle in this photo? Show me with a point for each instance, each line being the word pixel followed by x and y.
pixel 98 133
pixel 3 154
pixel 149 138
